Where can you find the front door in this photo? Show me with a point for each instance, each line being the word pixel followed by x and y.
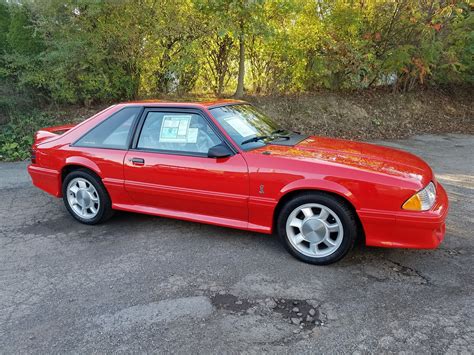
pixel 168 170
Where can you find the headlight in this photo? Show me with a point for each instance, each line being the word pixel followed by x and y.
pixel 423 200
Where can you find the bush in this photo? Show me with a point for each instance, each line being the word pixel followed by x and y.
pixel 16 137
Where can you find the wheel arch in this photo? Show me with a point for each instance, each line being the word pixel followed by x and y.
pixel 105 207
pixel 293 193
pixel 321 185
pixel 76 163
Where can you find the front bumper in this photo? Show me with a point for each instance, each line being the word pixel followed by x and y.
pixel 408 229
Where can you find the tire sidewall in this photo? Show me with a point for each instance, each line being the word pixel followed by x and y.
pixel 347 220
pixel 104 205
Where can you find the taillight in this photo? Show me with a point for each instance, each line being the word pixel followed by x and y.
pixel 33 155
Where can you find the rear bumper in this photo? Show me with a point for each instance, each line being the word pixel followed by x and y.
pixel 46 179
pixel 408 229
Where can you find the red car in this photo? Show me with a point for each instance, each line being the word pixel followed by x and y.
pixel 226 163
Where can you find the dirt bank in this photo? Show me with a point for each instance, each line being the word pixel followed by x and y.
pixel 373 114
pixel 376 114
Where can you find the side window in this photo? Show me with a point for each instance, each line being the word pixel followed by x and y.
pixel 113 132
pixel 179 132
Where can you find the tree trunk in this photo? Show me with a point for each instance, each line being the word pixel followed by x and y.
pixel 220 85
pixel 239 92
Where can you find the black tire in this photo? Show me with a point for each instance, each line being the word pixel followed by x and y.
pixel 105 210
pixel 339 206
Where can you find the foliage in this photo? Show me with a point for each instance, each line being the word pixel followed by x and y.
pixel 16 137
pixel 83 51
pixel 4 27
pixel 89 52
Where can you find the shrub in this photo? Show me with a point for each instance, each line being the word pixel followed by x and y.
pixel 16 137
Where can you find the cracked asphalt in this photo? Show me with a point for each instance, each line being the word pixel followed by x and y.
pixel 148 284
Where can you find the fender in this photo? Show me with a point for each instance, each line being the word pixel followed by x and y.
pixel 85 162
pixel 321 185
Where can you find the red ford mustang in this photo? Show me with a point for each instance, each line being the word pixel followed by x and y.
pixel 228 164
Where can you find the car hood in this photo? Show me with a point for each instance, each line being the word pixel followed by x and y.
pixel 357 155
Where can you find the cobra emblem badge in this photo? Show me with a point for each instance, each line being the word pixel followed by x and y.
pixel 261 191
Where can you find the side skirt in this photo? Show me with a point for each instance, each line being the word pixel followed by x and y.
pixel 193 217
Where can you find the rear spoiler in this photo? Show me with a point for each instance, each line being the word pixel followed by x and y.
pixel 49 132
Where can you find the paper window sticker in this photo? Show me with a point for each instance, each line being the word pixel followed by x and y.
pixel 171 121
pixel 169 133
pixel 192 135
pixel 174 128
pixel 183 127
pixel 241 127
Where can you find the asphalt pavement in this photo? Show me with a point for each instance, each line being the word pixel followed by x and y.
pixel 148 284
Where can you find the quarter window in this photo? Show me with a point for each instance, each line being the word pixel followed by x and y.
pixel 177 132
pixel 113 133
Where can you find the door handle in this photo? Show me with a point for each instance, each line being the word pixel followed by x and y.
pixel 137 161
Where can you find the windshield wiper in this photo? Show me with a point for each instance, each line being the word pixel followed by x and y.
pixel 280 131
pixel 278 134
pixel 254 139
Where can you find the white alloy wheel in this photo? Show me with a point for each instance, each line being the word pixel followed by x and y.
pixel 314 230
pixel 83 198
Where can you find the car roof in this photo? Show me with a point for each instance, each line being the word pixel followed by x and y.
pixel 193 104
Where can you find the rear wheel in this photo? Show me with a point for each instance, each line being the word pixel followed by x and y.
pixel 317 228
pixel 86 198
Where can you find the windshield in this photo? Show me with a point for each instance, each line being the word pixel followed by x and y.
pixel 247 126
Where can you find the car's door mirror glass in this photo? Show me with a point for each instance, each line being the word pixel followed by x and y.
pixel 219 151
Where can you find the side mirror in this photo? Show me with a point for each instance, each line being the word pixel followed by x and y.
pixel 219 151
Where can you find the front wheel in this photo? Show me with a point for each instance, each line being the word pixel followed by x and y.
pixel 317 228
pixel 86 198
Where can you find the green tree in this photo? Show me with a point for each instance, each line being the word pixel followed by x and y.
pixel 4 26
pixel 83 51
pixel 93 51
pixel 22 38
pixel 242 19
pixel 218 61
